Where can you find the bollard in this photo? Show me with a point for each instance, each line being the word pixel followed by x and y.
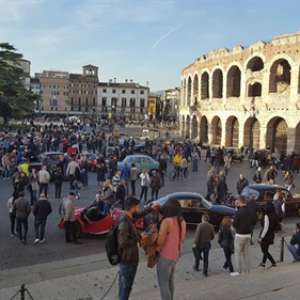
pixel 282 250
pixel 22 292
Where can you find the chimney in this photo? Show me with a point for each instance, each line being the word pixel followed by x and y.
pixel 131 80
pixel 126 80
pixel 115 79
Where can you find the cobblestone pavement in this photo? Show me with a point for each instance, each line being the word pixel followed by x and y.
pixel 13 254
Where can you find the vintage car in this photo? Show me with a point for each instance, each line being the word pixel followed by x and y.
pixel 193 206
pixel 235 153
pixel 259 191
pixel 142 162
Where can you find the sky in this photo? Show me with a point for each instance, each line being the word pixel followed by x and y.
pixel 144 40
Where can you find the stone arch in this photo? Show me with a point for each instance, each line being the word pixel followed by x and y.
pixel 205 85
pixel 280 76
pixel 232 132
pixel 216 130
pixel 217 83
pixel 255 64
pixel 203 130
pixel 252 133
pixel 188 127
pixel 234 81
pixel 194 134
pixel 195 88
pixel 183 126
pixel 189 90
pixel 254 89
pixel 297 139
pixel 276 138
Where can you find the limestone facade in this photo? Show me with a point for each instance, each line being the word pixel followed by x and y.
pixel 245 96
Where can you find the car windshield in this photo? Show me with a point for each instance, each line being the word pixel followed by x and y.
pixel 250 193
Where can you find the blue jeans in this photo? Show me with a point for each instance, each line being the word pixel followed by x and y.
pixel 165 276
pixel 294 251
pixel 39 226
pixel 126 279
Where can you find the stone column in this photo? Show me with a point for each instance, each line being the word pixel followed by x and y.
pixel 223 134
pixel 241 133
pixel 291 140
pixel 294 82
pixel 263 136
pixel 224 87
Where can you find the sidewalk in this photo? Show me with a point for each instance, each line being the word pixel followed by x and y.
pixel 50 282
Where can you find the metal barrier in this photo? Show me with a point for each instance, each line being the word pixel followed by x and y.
pixel 23 291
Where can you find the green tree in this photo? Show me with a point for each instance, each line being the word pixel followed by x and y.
pixel 15 100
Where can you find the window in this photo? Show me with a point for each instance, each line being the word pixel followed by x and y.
pixel 142 103
pixel 113 91
pixel 123 91
pixel 124 102
pixel 104 90
pixel 104 101
pixel 132 102
pixel 114 103
pixel 132 91
pixel 142 92
pixel 94 102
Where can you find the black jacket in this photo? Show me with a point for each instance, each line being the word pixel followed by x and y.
pixel 42 209
pixel 226 239
pixel 244 220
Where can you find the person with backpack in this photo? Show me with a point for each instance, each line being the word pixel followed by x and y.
pixel 171 235
pixel 128 239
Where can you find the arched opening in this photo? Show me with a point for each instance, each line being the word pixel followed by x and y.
pixel 189 91
pixel 183 126
pixel 217 82
pixel 234 82
pixel 216 131
pixel 232 132
pixel 195 88
pixel 280 76
pixel 205 86
pixel 203 130
pixel 297 139
pixel 194 127
pixel 252 133
pixel 277 135
pixel 254 90
pixel 188 127
pixel 255 64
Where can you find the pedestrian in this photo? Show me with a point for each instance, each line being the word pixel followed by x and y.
pixel 269 225
pixel 171 235
pixel 33 187
pixel 70 222
pixel 205 233
pixel 294 245
pixel 58 179
pixel 271 174
pixel 155 185
pixel 244 221
pixel 257 177
pixel 12 213
pixel 145 183
pixel 133 178
pixel 125 175
pixel 121 193
pixel 44 179
pixel 195 158
pixel 116 180
pixel 128 239
pixel 289 180
pixel 23 209
pixel 101 171
pixel 72 171
pixel 41 210
pixel 184 167
pixel 241 184
pixel 163 166
pixel 226 241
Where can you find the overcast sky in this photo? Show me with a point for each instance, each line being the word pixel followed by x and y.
pixel 143 40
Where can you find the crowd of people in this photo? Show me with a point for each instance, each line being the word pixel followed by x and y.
pixel 129 188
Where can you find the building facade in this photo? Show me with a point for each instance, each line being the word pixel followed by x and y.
pixel 245 96
pixel 126 100
pixel 170 104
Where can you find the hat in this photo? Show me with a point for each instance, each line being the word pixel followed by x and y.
pixel 131 202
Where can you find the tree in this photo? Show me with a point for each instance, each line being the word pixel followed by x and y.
pixel 15 100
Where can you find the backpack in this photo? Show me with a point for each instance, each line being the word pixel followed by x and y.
pixel 111 246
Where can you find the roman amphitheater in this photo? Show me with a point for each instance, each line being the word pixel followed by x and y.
pixel 245 96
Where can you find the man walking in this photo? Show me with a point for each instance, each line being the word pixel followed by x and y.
pixel 41 210
pixel 44 178
pixel 128 239
pixel 72 169
pixel 145 182
pixel 205 233
pixel 244 222
pixel 133 178
pixel 23 210
pixel 69 219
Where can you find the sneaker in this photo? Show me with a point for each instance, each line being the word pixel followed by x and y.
pixel 234 274
pixel 196 268
pixel 274 266
pixel 262 265
pixel 36 241
pixel 42 241
pixel 12 236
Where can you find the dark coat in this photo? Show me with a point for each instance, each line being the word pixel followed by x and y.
pixel 42 209
pixel 226 238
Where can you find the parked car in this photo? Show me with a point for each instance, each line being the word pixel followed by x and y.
pixel 258 192
pixel 236 154
pixel 142 162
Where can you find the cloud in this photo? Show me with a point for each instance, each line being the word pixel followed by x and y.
pixel 166 35
pixel 14 10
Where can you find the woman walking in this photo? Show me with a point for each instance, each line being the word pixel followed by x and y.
pixel 226 241
pixel 169 244
pixel 269 225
